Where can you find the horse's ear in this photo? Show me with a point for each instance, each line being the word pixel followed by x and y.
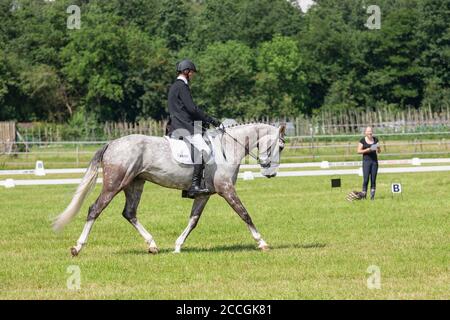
pixel 282 129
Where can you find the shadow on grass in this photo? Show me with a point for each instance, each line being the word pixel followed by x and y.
pixel 228 248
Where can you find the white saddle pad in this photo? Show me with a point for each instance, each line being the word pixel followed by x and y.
pixel 180 150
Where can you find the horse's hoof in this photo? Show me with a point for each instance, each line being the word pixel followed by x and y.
pixel 74 252
pixel 153 250
pixel 264 248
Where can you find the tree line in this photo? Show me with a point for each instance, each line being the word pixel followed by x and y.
pixel 256 58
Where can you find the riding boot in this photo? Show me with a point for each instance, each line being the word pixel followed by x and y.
pixel 195 188
pixel 372 194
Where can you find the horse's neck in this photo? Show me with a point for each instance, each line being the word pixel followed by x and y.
pixel 248 134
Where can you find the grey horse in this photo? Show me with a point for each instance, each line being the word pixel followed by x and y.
pixel 129 161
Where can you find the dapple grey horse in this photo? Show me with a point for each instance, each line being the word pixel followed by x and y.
pixel 129 161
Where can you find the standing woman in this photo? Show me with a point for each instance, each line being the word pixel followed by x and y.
pixel 368 147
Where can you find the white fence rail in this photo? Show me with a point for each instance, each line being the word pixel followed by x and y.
pixel 310 173
pixel 416 167
pixel 12 183
pixel 323 165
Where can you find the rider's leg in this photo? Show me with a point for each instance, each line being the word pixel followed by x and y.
pixel 195 188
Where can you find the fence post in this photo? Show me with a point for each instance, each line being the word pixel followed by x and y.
pixel 312 139
pixel 77 156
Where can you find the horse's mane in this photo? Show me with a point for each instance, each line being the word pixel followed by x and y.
pixel 235 125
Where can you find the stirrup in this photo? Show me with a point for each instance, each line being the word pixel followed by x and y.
pixel 193 194
pixel 194 191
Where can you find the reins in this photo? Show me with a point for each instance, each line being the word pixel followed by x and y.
pixel 247 149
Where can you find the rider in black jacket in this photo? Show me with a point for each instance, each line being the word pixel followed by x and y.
pixel 187 120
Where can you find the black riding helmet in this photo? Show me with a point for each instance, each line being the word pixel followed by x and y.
pixel 186 65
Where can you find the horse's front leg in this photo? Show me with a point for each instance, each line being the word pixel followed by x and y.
pixel 229 194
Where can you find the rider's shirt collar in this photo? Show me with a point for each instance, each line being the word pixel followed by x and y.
pixel 183 79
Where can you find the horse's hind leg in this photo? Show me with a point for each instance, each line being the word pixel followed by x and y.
pixel 133 194
pixel 197 209
pixel 94 211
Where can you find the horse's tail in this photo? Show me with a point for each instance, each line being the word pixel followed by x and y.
pixel 85 187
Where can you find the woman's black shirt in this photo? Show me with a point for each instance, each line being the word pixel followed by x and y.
pixel 371 155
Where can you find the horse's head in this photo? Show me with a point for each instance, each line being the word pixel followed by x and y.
pixel 267 139
pixel 270 147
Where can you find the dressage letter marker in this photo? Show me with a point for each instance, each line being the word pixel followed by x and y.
pixel 9 183
pixel 39 169
pixel 248 175
pixel 416 162
pixel 324 165
pixel 396 188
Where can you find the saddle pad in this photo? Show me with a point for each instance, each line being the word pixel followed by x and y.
pixel 180 150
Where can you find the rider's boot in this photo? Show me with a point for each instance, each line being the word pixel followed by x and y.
pixel 195 188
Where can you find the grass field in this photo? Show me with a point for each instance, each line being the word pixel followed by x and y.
pixel 321 245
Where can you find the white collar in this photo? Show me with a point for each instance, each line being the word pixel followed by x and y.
pixel 183 78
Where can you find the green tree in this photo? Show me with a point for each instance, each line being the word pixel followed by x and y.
pixel 94 64
pixel 144 14
pixel 44 90
pixel 216 23
pixel 326 46
pixel 280 82
pixel 256 58
pixel 225 80
pixel 36 33
pixel 172 23
pixel 260 21
pixel 434 34
pixel 40 31
pixel 436 94
pixel 150 70
pixel 246 21
pixel 396 75
pixel 7 83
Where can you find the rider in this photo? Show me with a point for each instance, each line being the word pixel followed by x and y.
pixel 183 112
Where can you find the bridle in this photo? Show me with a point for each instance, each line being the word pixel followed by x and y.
pixel 247 148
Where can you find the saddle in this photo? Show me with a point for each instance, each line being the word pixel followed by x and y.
pixel 181 150
pixel 181 153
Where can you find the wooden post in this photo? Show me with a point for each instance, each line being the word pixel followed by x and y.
pixel 312 139
pixel 7 136
pixel 77 156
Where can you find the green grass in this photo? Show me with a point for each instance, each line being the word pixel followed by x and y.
pixel 53 156
pixel 321 245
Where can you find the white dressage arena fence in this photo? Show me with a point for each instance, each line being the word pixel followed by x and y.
pixel 324 166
